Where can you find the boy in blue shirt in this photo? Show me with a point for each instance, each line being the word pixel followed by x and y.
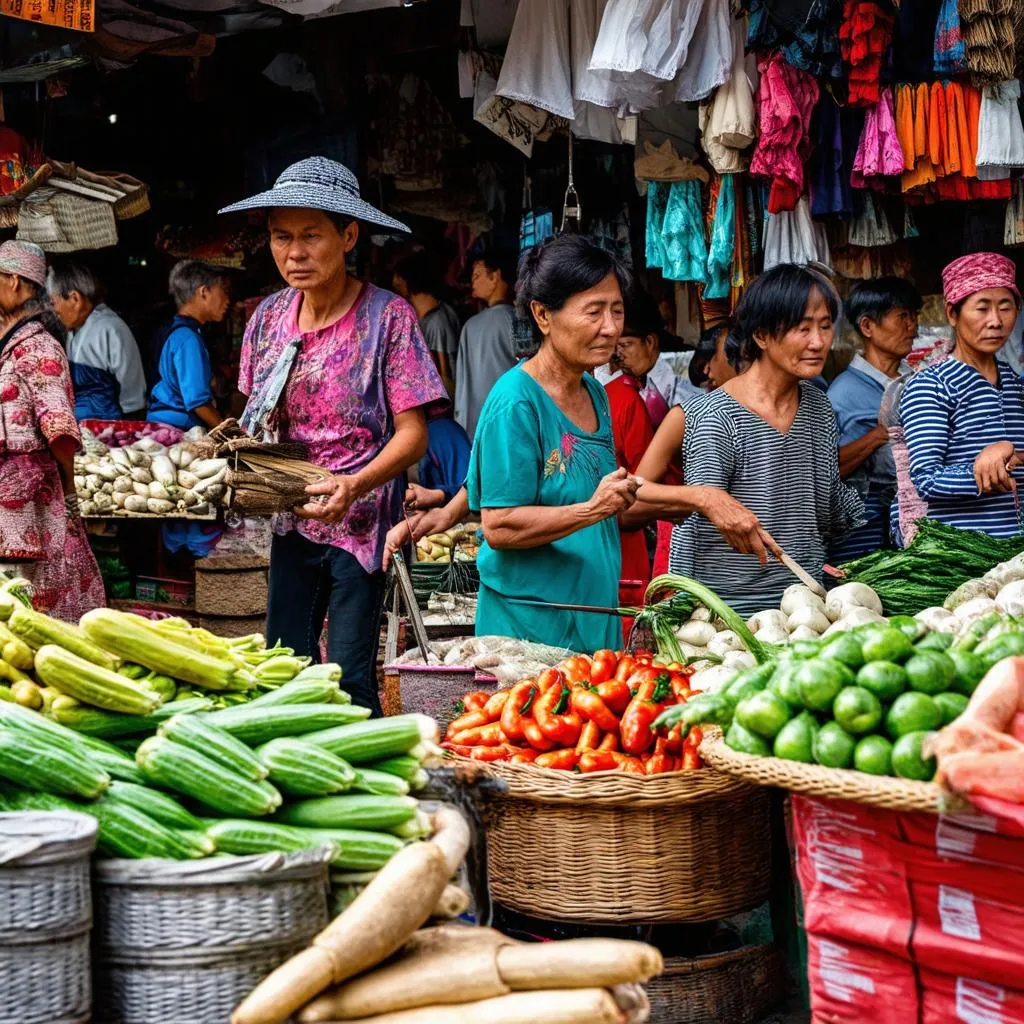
pixel 182 396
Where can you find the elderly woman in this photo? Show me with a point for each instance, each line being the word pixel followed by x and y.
pixel 41 535
pixel 542 473
pixel 340 366
pixel 768 438
pixel 963 418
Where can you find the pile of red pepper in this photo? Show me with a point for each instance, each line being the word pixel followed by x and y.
pixel 585 714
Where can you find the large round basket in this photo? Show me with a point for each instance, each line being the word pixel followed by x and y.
pixel 738 987
pixel 185 941
pixel 831 783
pixel 45 916
pixel 616 848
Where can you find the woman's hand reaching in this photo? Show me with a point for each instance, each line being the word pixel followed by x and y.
pixel 738 525
pixel 615 493
pixel 994 466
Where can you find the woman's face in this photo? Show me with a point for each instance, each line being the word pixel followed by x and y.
pixel 803 349
pixel 719 369
pixel 985 320
pixel 308 249
pixel 585 331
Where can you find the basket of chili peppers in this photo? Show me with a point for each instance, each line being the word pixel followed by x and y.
pixel 651 834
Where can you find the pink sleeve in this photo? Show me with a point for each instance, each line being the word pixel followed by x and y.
pixel 245 367
pixel 44 368
pixel 410 377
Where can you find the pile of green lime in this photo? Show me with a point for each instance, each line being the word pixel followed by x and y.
pixel 866 699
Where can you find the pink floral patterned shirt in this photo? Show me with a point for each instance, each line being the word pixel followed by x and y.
pixel 347 384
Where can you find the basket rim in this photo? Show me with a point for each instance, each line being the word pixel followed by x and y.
pixel 677 965
pixel 548 786
pixel 814 780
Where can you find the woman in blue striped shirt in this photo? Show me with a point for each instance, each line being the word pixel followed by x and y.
pixel 963 418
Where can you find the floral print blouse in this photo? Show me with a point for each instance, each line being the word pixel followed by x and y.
pixel 348 383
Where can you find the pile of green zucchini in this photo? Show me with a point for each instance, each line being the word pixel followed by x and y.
pixel 298 767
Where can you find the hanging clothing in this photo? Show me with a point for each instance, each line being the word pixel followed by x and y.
pixel 872 228
pixel 536 65
pixel 987 29
pixel 950 53
pixel 837 132
pixel 1013 233
pixel 792 237
pixel 723 240
pixel 806 31
pixel 865 37
pixel 879 154
pixel 710 57
pixel 1000 131
pixel 682 232
pixel 913 41
pixel 785 100
pixel 728 121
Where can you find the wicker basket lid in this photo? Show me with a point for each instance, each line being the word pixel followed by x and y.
pixel 222 870
pixel 30 838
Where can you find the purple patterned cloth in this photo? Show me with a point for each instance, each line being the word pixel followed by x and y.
pixel 347 384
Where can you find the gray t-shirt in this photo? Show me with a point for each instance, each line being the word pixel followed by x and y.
pixel 441 330
pixel 486 350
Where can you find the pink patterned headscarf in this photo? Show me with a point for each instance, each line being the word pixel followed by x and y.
pixel 975 273
pixel 24 259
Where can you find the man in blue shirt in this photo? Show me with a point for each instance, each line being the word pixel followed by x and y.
pixel 106 368
pixel 441 473
pixel 183 396
pixel 884 314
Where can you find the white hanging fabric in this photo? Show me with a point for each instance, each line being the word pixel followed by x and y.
pixel 1000 132
pixel 536 66
pixel 728 120
pixel 792 237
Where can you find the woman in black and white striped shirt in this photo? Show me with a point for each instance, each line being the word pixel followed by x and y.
pixel 768 438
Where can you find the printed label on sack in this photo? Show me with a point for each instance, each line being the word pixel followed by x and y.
pixel 839 980
pixel 979 1003
pixel 957 914
pixel 953 840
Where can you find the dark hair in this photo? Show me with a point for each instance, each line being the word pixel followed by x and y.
pixel 707 346
pixel 642 315
pixel 188 276
pixel 340 221
pixel 874 299
pixel 420 273
pixel 498 261
pixel 64 278
pixel 776 302
pixel 559 268
pixel 38 305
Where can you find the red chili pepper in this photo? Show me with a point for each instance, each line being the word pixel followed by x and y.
pixel 625 667
pixel 633 765
pixel 549 679
pixel 563 760
pixel 674 741
pixel 457 748
pixel 519 702
pixel 495 705
pixel 681 686
pixel 597 761
pixel 659 761
pixel 533 736
pixel 616 694
pixel 695 737
pixel 603 668
pixel 609 742
pixel 484 736
pixel 587 703
pixel 637 720
pixel 590 737
pixel 691 759
pixel 484 753
pixel 476 700
pixel 549 711
pixel 470 720
pixel 576 668
pixel 524 756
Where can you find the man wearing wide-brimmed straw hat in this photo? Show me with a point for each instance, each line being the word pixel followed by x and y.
pixel 339 365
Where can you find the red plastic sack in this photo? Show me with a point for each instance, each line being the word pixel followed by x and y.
pixel 946 999
pixel 980 935
pixel 852 876
pixel 976 839
pixel 851 984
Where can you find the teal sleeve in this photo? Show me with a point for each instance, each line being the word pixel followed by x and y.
pixel 506 466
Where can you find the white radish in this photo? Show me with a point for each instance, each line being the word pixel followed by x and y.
pixel 158 507
pixel 136 503
pixel 770 618
pixel 803 633
pixel 799 596
pixel 163 470
pixel 725 641
pixel 699 634
pixel 849 596
pixel 809 616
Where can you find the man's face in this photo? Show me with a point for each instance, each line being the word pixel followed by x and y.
pixel 308 248
pixel 484 281
pixel 72 309
pixel 894 333
pixel 216 300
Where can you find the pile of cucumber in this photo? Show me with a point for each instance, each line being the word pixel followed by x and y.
pixel 297 768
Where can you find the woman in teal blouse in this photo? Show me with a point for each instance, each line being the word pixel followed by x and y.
pixel 543 472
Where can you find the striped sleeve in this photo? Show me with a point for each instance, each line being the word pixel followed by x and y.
pixel 709 450
pixel 845 505
pixel 926 413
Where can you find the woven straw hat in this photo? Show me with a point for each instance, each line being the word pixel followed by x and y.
pixel 318 184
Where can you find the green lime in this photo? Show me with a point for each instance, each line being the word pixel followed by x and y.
pixel 887 644
pixel 857 710
pixel 970 670
pixel 907 625
pixel 930 672
pixel 801 650
pixel 908 761
pixel 1006 645
pixel 936 642
pixel 885 679
pixel 784 683
pixel 795 741
pixel 844 647
pixel 951 706
pixel 873 755
pixel 763 713
pixel 820 681
pixel 833 746
pixel 912 712
pixel 746 742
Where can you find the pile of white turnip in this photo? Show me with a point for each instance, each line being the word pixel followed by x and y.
pixel 1000 590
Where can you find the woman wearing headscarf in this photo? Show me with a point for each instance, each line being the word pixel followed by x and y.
pixel 41 533
pixel 963 417
pixel 340 366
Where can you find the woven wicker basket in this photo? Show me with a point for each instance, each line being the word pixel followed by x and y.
pixel 185 941
pixel 738 987
pixel 685 846
pixel 831 783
